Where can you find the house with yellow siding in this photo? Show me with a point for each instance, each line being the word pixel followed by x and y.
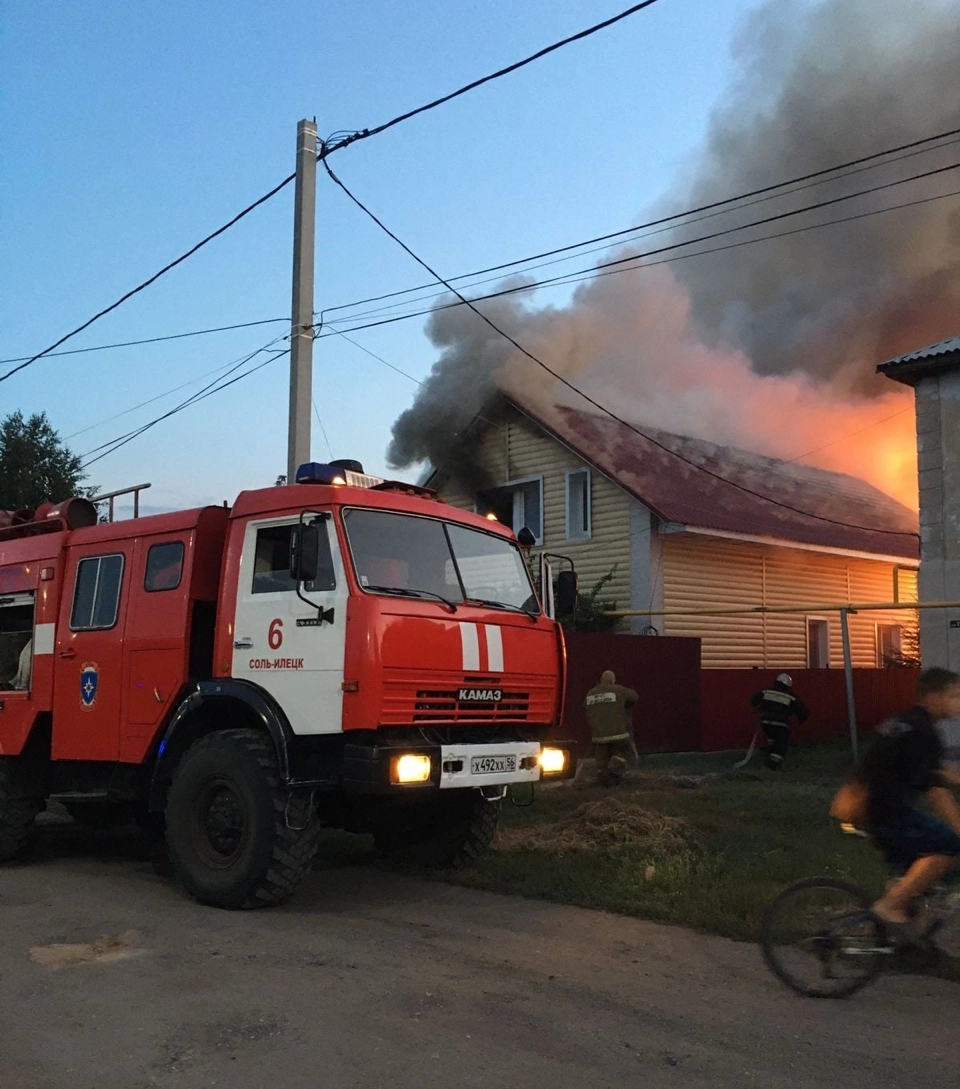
pixel 689 528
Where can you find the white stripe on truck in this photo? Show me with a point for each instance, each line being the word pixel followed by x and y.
pixel 43 637
pixel 470 643
pixel 494 648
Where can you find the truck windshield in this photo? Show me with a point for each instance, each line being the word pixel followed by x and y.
pixel 401 553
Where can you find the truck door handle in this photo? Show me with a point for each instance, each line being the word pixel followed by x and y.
pixel 68 653
pixel 242 644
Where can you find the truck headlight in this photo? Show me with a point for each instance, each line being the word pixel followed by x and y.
pixel 411 767
pixel 553 761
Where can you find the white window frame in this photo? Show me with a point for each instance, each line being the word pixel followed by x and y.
pixel 878 643
pixel 575 534
pixel 823 620
pixel 518 522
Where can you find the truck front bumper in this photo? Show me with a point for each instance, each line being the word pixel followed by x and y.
pixel 376 768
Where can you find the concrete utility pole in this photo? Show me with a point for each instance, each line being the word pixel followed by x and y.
pixel 301 311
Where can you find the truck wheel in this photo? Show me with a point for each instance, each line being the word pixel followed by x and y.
pixel 18 814
pixel 100 815
pixel 237 838
pixel 448 833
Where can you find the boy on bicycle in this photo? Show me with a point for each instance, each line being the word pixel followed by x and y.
pixel 903 764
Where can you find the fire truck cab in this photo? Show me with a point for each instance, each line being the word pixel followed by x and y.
pixel 341 651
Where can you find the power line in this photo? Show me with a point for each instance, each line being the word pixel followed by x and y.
pixel 767 191
pixel 152 340
pixel 323 430
pixel 151 280
pixel 618 271
pixel 416 381
pixel 143 404
pixel 627 264
pixel 230 368
pixel 379 358
pixel 211 388
pixel 849 435
pixel 173 412
pixel 621 265
pixel 364 134
pixel 329 148
pixel 218 370
pixel 575 389
pixel 584 252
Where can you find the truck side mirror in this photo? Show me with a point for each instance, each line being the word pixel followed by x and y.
pixel 565 593
pixel 525 538
pixel 305 552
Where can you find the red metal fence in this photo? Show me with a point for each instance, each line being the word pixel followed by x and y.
pixel 685 708
pixel 665 672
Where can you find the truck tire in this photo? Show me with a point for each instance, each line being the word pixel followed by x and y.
pixel 236 837
pixel 18 814
pixel 448 833
pixel 100 815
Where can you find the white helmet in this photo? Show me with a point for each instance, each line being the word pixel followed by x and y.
pixel 786 679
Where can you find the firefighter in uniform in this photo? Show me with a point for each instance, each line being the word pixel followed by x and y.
pixel 777 706
pixel 608 706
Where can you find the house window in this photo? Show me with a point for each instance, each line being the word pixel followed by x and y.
pixel 96 599
pixel 517 504
pixel 578 505
pixel 889 644
pixel 818 643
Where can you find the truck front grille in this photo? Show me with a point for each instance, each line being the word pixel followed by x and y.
pixel 422 700
pixel 443 706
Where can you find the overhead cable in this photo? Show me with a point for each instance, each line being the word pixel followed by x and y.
pixel 728 204
pixel 329 149
pixel 766 192
pixel 586 396
pixel 630 264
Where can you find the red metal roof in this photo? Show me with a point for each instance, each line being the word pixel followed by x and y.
pixel 749 493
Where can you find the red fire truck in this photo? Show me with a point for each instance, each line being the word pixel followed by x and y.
pixel 341 652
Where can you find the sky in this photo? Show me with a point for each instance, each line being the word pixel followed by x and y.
pixel 130 131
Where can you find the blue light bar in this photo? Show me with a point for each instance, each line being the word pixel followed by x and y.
pixel 313 472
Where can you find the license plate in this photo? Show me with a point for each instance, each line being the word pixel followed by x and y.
pixel 490 765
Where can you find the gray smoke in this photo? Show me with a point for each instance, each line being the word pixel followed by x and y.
pixel 719 346
pixel 470 367
pixel 818 87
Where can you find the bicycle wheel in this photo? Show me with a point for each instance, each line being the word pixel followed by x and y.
pixel 819 938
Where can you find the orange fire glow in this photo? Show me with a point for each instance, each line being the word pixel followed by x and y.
pixel 883 453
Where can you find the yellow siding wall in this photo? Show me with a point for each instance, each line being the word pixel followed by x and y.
pixel 701 572
pixel 698 571
pixel 517 450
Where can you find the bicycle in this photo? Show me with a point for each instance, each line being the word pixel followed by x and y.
pixel 821 939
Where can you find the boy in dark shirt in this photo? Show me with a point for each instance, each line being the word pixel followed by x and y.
pixel 903 764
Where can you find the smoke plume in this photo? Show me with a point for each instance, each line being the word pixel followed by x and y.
pixel 770 346
pixel 820 87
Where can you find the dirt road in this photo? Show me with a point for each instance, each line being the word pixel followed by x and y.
pixel 111 977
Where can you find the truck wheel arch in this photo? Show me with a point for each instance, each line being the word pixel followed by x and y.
pixel 215 705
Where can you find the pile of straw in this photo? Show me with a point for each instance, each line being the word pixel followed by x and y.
pixel 608 825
